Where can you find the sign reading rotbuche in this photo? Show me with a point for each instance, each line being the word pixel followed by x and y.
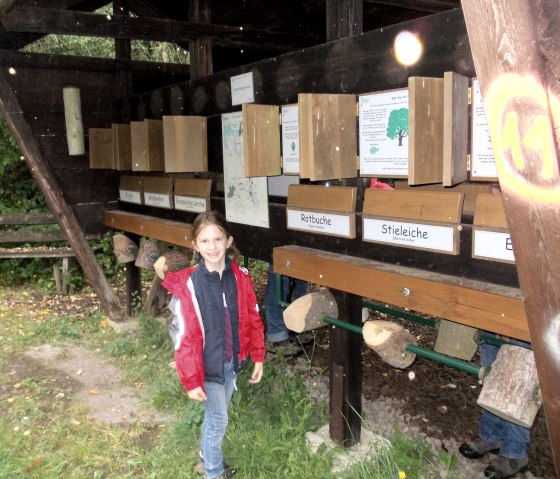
pixel 335 218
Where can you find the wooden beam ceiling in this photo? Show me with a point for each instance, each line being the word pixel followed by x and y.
pixel 48 20
pixel 430 6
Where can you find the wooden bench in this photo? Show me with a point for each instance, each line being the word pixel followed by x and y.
pixel 13 233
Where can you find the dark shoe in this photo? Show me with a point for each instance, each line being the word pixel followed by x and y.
pixel 228 470
pixel 503 467
pixel 284 348
pixel 477 447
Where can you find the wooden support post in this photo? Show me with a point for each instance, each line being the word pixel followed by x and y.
pixel 344 18
pixel 200 50
pixel 345 401
pixel 123 51
pixel 43 175
pixel 133 282
pixel 514 46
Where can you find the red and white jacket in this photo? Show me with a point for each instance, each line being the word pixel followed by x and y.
pixel 189 337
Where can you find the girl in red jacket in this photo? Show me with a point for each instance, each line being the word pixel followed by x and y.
pixel 216 328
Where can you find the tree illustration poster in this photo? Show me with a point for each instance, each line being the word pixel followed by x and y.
pixel 383 131
pixel 290 140
pixel 246 198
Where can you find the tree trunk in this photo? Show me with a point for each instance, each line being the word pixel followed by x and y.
pixel 389 340
pixel 307 312
pixel 515 50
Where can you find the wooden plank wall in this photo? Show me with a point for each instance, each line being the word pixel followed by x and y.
pixel 359 64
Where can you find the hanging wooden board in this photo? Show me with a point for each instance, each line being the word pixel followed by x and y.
pixel 335 217
pixel 192 194
pixel 158 191
pixel 425 145
pixel 418 220
pixel 491 239
pixel 130 189
pixel 455 128
pixel 100 148
pixel 147 145
pixel 328 145
pixel 185 144
pixel 122 147
pixel 261 140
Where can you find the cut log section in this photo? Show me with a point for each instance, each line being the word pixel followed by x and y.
pixel 148 253
pixel 170 261
pixel 307 312
pixel 511 389
pixel 125 249
pixel 389 341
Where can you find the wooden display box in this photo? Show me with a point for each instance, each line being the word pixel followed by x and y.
pixel 147 145
pixel 101 148
pixel 122 147
pixel 491 239
pixel 192 194
pixel 327 210
pixel 130 189
pixel 261 140
pixel 158 191
pixel 185 144
pixel 327 136
pixel 422 220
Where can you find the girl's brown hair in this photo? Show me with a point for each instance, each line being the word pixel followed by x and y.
pixel 218 219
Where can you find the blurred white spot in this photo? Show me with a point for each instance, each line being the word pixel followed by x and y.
pixel 411 375
pixel 408 48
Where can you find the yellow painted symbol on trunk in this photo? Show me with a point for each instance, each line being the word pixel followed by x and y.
pixel 518 139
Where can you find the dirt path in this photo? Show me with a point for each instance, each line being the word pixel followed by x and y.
pixel 87 376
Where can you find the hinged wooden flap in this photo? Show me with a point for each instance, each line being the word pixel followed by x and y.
pixel 425 144
pixel 122 147
pixel 489 211
pixel 147 145
pixel 340 199
pixel 261 140
pixel 185 144
pixel 158 184
pixel 455 128
pixel 100 148
pixel 130 183
pixel 328 143
pixel 193 187
pixel 416 205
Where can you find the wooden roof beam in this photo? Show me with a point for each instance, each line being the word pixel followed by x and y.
pixel 431 6
pixel 45 21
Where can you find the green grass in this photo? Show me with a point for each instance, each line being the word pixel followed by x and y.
pixel 45 435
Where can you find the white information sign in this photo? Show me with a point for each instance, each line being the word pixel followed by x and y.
pixel 323 223
pixel 383 132
pixel 158 200
pixel 129 196
pixel 242 90
pixel 290 140
pixel 246 199
pixel 410 235
pixel 191 203
pixel 492 245
pixel 483 164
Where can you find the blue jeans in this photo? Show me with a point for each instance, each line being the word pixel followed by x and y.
pixel 291 289
pixel 514 439
pixel 216 421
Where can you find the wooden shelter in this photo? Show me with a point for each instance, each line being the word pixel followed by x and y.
pixel 325 56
